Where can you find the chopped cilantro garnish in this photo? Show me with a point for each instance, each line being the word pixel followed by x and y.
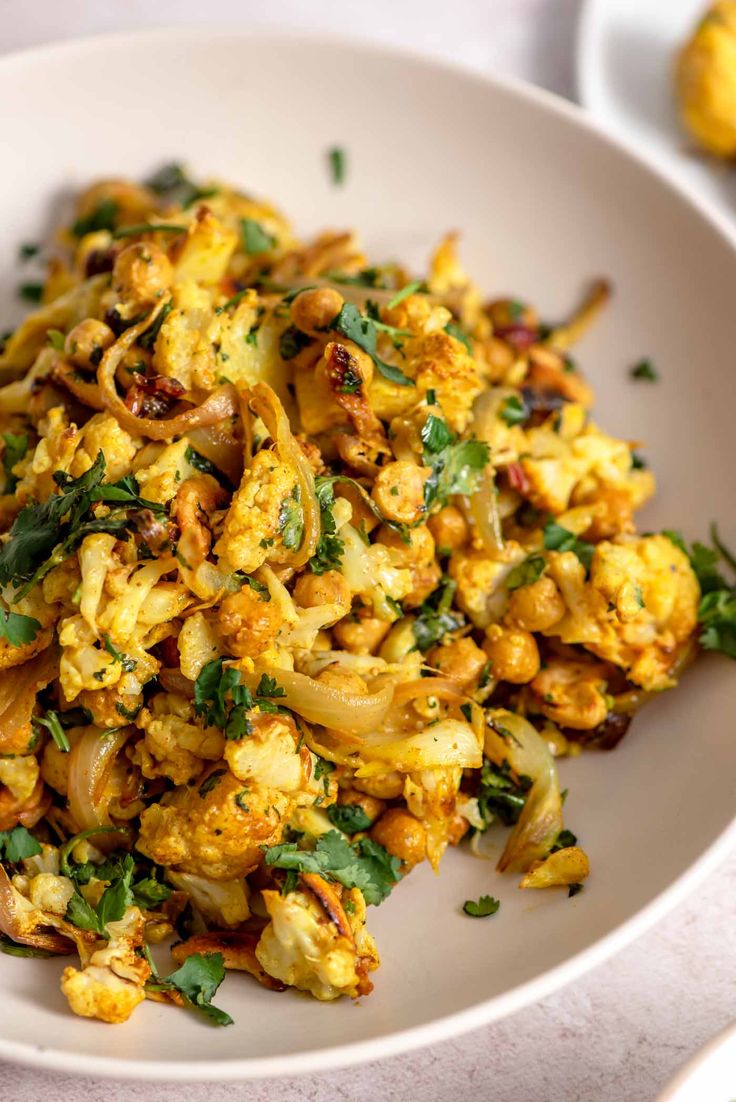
pixel 17 844
pixel 16 446
pixel 128 664
pixel 485 906
pixel 644 369
pixel 292 341
pixel 454 330
pixel 224 701
pixel 27 251
pixel 434 619
pixel 410 289
pixel 291 520
pixel 31 292
pixel 526 573
pixel 436 434
pixel 349 818
pixel 18 629
pixel 557 538
pixel 200 462
pixel 513 411
pixel 56 339
pixel 565 839
pixel 254 238
pixel 363 331
pixel 197 982
pixel 501 793
pixel 53 725
pixel 573 890
pixel 103 217
pixel 365 864
pixel 338 164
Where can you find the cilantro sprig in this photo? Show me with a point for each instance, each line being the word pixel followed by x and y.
pixel 485 906
pixel 557 538
pixel 363 330
pixel 17 844
pixel 456 465
pixel 222 699
pixel 330 548
pixel 365 864
pixel 434 617
pixel 717 608
pixel 197 981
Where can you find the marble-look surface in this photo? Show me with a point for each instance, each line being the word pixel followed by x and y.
pixel 618 1034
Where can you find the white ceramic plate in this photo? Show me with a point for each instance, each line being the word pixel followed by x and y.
pixel 711 1074
pixel 544 204
pixel 626 51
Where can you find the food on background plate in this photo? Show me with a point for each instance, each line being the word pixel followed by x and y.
pixel 310 570
pixel 705 81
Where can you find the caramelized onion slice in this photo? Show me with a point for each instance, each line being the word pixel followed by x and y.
pixel 333 708
pixel 18 921
pixel 91 759
pixel 220 404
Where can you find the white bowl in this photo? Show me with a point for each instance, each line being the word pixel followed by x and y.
pixel 544 204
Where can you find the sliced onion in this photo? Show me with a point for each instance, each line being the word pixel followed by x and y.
pixel 88 393
pixel 221 404
pixel 25 932
pixel 483 507
pixel 220 445
pixel 446 744
pixel 333 708
pixel 90 762
pixel 265 403
pixel 528 755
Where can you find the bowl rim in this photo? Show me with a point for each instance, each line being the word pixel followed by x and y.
pixel 499 1006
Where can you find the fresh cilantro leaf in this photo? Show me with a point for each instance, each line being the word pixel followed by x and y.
pixel 557 538
pixel 564 840
pixel 676 538
pixel 18 629
pixel 255 585
pixel 172 182
pixel 349 818
pixel 147 339
pixel 268 686
pixel 717 616
pixel 573 889
pixel 363 331
pixel 338 164
pixel 513 410
pixel 31 292
pixel 409 289
pixel 17 844
pixel 638 462
pixel 224 701
pixel 365 865
pixel 200 463
pixel 291 520
pixel 128 664
pixel 436 434
pixel 330 548
pixel 434 618
pixel 456 469
pixel 28 251
pixel 211 782
pixel 322 770
pixel 254 237
pixel 117 896
pixel 82 914
pixel 485 906
pixel 292 341
pixel 198 980
pixel 149 893
pixel 526 573
pixel 16 446
pixel 644 369
pixel 149 227
pixel 501 793
pixel 103 217
pixel 459 334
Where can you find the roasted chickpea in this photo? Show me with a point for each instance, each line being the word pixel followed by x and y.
pixel 513 653
pixel 347 681
pixel 507 312
pixel 110 707
pixel 371 805
pixel 248 624
pixel 535 607
pixel 402 835
pixel 329 588
pixel 613 517
pixel 398 491
pixel 389 786
pixel 462 660
pixel 362 635
pixel 449 528
pixel 142 273
pixel 312 311
pixel 418 556
pixel 86 343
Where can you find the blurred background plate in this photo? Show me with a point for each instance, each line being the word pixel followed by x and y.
pixel 626 53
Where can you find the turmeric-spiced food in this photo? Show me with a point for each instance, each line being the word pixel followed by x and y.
pixel 309 570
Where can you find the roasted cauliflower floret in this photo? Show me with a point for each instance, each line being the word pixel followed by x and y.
pixel 269 755
pixel 111 984
pixel 259 514
pixel 311 945
pixel 220 902
pixel 174 745
pixel 214 830
pixel 571 694
pixel 481 592
pixel 103 433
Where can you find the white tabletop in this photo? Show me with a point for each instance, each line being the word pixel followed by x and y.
pixel 619 1034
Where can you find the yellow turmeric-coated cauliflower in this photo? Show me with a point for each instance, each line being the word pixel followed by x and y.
pixel 706 81
pixel 174 746
pixel 259 514
pixel 481 592
pixel 111 984
pixel 102 433
pixel 637 608
pixel 215 829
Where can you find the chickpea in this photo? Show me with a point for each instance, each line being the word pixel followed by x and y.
pixel 449 528
pixel 513 653
pixel 141 274
pixel 505 312
pixel 389 786
pixel 347 681
pixel 398 491
pixel 363 635
pixel 371 805
pixel 87 341
pixel 312 311
pixel 329 588
pixel 462 660
pixel 248 624
pixel 402 835
pixel 535 607
pixel 104 704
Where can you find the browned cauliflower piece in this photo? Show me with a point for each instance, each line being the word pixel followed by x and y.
pixel 253 526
